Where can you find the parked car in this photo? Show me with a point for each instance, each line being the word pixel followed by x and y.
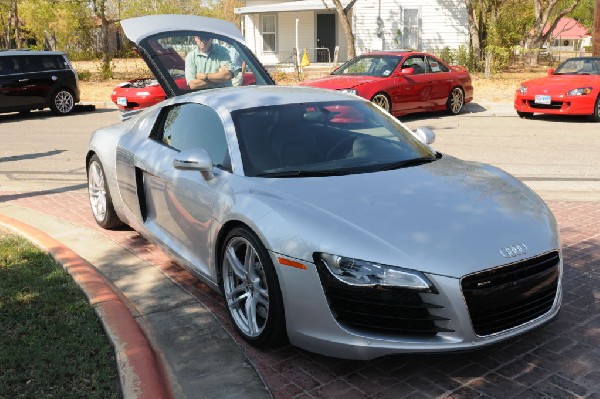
pixel 145 92
pixel 402 82
pixel 36 80
pixel 572 89
pixel 323 219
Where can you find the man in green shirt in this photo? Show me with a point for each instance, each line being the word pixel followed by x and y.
pixel 208 65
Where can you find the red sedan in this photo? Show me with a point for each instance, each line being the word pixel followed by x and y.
pixel 402 82
pixel 572 89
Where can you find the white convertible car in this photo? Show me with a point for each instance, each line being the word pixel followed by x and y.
pixel 321 218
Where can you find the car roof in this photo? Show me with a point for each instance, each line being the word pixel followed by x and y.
pixel 137 29
pixel 243 97
pixel 392 52
pixel 10 53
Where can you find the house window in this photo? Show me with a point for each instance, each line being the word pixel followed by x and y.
pixel 268 25
pixel 411 28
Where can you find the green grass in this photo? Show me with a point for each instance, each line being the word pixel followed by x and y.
pixel 52 345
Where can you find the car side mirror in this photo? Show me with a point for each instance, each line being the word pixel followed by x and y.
pixel 551 71
pixel 425 135
pixel 195 159
pixel 407 71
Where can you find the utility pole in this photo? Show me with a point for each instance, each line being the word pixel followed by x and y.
pixel 596 33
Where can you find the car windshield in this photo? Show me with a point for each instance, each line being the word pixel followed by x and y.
pixel 381 66
pixel 579 66
pixel 200 60
pixel 324 139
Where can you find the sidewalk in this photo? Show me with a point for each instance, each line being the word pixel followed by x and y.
pixel 188 326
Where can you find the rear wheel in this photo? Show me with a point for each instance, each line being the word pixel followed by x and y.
pixel 524 114
pixel 251 289
pixel 596 115
pixel 99 195
pixel 62 102
pixel 456 101
pixel 383 101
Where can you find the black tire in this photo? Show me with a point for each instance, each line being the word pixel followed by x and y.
pixel 595 117
pixel 62 102
pixel 456 101
pixel 524 115
pixel 99 196
pixel 251 288
pixel 383 100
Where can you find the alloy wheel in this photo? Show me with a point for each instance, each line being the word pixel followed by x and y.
pixel 245 286
pixel 456 101
pixel 382 100
pixel 97 191
pixel 63 102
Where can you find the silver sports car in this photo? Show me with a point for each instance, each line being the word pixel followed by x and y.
pixel 321 218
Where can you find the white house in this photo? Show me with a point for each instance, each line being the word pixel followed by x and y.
pixel 273 28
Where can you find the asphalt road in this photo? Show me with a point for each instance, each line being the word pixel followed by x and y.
pixel 557 157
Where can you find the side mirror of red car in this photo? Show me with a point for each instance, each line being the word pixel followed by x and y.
pixel 407 71
pixel 551 71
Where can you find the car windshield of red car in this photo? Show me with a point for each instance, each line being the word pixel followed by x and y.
pixel 381 66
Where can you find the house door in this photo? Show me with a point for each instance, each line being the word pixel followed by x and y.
pixel 325 37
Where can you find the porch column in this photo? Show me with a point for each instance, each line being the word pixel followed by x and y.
pixel 297 43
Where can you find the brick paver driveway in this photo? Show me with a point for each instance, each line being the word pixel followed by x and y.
pixel 559 360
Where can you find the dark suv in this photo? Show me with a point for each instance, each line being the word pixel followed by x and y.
pixel 36 80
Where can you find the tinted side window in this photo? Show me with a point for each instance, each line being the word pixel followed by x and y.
pixel 193 125
pixel 46 63
pixel 10 65
pixel 436 66
pixel 417 63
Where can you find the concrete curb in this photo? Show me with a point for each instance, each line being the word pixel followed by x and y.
pixel 141 373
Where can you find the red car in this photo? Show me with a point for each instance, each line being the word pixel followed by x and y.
pixel 572 89
pixel 402 82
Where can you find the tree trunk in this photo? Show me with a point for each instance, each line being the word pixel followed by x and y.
pixel 346 25
pixel 474 29
pixel 596 32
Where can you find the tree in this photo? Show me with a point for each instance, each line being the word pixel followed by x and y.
pixel 342 13
pixel 483 16
pixel 547 14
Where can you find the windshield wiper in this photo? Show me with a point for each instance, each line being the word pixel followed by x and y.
pixel 408 163
pixel 303 173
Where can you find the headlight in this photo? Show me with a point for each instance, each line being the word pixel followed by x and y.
pixel 362 273
pixel 580 92
pixel 350 91
pixel 522 89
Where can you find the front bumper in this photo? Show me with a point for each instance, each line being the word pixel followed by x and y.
pixel 560 105
pixel 312 326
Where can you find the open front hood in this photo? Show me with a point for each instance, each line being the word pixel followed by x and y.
pixel 166 40
pixel 138 29
pixel 448 217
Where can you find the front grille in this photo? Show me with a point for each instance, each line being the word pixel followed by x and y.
pixel 511 295
pixel 552 105
pixel 382 310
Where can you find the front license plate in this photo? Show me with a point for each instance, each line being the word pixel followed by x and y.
pixel 543 99
pixel 122 101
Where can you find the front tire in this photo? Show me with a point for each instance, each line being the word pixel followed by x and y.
pixel 62 102
pixel 383 101
pixel 99 195
pixel 595 117
pixel 251 289
pixel 456 101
